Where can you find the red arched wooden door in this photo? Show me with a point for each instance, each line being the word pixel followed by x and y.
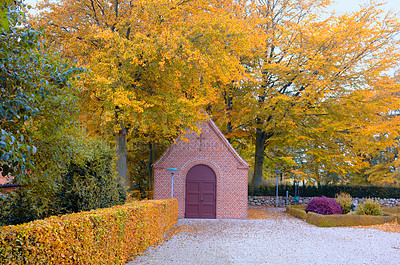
pixel 200 200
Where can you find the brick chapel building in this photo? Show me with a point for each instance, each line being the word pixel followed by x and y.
pixel 212 178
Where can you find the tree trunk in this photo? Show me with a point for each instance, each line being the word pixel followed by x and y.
pixel 122 157
pixel 259 159
pixel 152 157
pixel 229 124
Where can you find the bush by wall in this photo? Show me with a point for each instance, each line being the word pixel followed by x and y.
pixel 369 207
pixel 345 200
pixel 104 236
pixel 329 191
pixel 323 205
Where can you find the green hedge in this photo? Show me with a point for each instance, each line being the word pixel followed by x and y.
pixel 393 210
pixel 104 236
pixel 329 191
pixel 338 219
pixel 297 211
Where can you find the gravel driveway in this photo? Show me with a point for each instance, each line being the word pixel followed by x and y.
pixel 280 239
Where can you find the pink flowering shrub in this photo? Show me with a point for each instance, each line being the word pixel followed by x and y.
pixel 324 205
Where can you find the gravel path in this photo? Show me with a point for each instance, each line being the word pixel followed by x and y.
pixel 280 239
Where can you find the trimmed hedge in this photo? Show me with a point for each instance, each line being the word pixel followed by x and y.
pixel 329 191
pixel 337 219
pixel 298 211
pixel 393 210
pixel 103 236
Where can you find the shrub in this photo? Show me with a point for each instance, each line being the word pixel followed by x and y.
pixel 92 183
pixel 88 182
pixel 369 207
pixel 17 207
pixel 103 236
pixel 324 205
pixel 344 199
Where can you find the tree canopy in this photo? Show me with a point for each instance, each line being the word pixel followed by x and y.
pixel 154 64
pixel 324 98
pixel 309 92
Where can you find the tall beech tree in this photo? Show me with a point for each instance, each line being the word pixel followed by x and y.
pixel 154 64
pixel 325 93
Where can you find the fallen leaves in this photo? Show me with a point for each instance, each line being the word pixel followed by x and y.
pixel 266 212
pixel 177 229
pixel 392 227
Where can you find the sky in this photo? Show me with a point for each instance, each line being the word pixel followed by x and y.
pixel 342 6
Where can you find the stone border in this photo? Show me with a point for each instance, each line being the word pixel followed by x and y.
pixel 393 210
pixel 335 220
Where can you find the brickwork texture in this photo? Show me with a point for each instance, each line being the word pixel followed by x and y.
pixel 212 149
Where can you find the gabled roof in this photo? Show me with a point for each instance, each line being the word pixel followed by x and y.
pixel 243 164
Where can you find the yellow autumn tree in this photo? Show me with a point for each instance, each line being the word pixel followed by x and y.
pixel 324 94
pixel 154 64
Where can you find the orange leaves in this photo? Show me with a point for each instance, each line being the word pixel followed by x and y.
pixel 323 87
pixel 145 54
pixel 107 236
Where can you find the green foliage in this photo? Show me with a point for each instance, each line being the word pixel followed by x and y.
pixel 297 211
pixel 40 135
pixel 30 78
pixel 369 207
pixel 138 161
pixel 5 19
pixel 344 199
pixel 88 182
pixel 104 236
pixel 17 207
pixel 92 183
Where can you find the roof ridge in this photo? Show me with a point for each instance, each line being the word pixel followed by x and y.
pixel 220 135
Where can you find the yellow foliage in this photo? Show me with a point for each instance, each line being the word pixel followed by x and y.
pixel 324 90
pixel 105 236
pixel 157 61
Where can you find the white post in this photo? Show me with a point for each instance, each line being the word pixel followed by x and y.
pixel 172 184
pixel 277 183
pixel 172 170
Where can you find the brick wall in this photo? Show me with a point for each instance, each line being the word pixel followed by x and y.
pixel 214 151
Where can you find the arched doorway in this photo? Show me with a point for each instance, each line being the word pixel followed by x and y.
pixel 200 199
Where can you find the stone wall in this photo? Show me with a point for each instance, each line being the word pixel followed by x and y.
pixel 283 201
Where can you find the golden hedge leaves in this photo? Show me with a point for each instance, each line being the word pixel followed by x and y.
pixel 103 236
